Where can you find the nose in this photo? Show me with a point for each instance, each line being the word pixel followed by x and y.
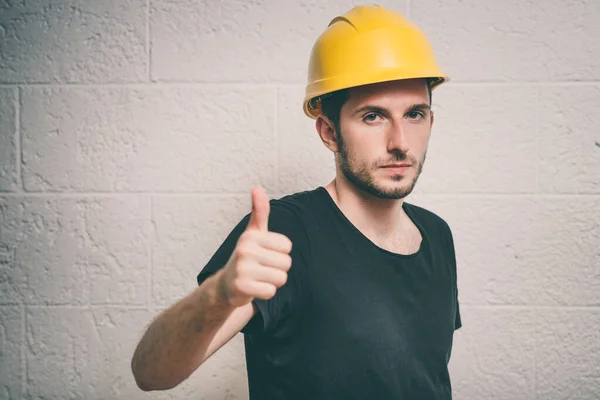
pixel 397 138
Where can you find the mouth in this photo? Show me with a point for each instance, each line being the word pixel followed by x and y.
pixel 396 168
pixel 397 165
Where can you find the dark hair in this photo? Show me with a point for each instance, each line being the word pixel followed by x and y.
pixel 331 106
pixel 332 103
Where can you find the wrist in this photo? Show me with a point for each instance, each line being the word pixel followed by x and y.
pixel 219 290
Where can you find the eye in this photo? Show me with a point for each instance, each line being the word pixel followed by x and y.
pixel 371 117
pixel 415 115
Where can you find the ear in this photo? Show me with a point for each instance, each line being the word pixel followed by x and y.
pixel 432 119
pixel 326 132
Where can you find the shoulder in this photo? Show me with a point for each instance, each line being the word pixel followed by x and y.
pixel 429 220
pixel 295 206
pixel 426 216
pixel 436 228
pixel 290 213
pixel 295 203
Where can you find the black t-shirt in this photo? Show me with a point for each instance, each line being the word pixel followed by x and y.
pixel 353 321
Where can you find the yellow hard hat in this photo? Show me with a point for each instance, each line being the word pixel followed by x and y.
pixel 368 44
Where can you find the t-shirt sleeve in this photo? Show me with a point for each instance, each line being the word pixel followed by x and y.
pixel 457 318
pixel 271 312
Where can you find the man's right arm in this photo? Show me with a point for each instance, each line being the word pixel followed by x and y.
pixel 181 338
pixel 185 335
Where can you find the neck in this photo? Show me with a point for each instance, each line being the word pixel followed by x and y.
pixel 375 217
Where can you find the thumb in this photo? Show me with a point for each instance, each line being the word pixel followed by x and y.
pixel 259 219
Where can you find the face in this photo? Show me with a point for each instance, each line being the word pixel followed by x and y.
pixel 381 125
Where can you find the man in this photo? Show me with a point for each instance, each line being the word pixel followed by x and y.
pixel 344 291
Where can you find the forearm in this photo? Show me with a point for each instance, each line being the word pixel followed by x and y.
pixel 175 343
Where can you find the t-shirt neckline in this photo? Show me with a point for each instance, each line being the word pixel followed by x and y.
pixel 424 239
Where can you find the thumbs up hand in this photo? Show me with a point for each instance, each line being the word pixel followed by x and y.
pixel 260 261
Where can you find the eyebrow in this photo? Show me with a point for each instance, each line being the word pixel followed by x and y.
pixel 374 108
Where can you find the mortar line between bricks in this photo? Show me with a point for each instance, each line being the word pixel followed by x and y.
pixel 18 141
pixel 148 48
pixel 535 352
pixel 78 195
pixel 537 139
pixel 108 306
pixel 23 349
pixel 523 307
pixel 154 83
pixel 277 141
pixel 151 236
pixel 253 85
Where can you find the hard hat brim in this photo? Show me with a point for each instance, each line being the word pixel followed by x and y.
pixel 311 104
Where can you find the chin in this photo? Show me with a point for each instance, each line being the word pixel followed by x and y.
pixel 389 187
pixel 391 190
pixel 395 186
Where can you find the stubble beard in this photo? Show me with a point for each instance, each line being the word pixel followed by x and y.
pixel 360 175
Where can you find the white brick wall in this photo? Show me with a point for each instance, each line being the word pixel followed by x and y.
pixel 132 131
